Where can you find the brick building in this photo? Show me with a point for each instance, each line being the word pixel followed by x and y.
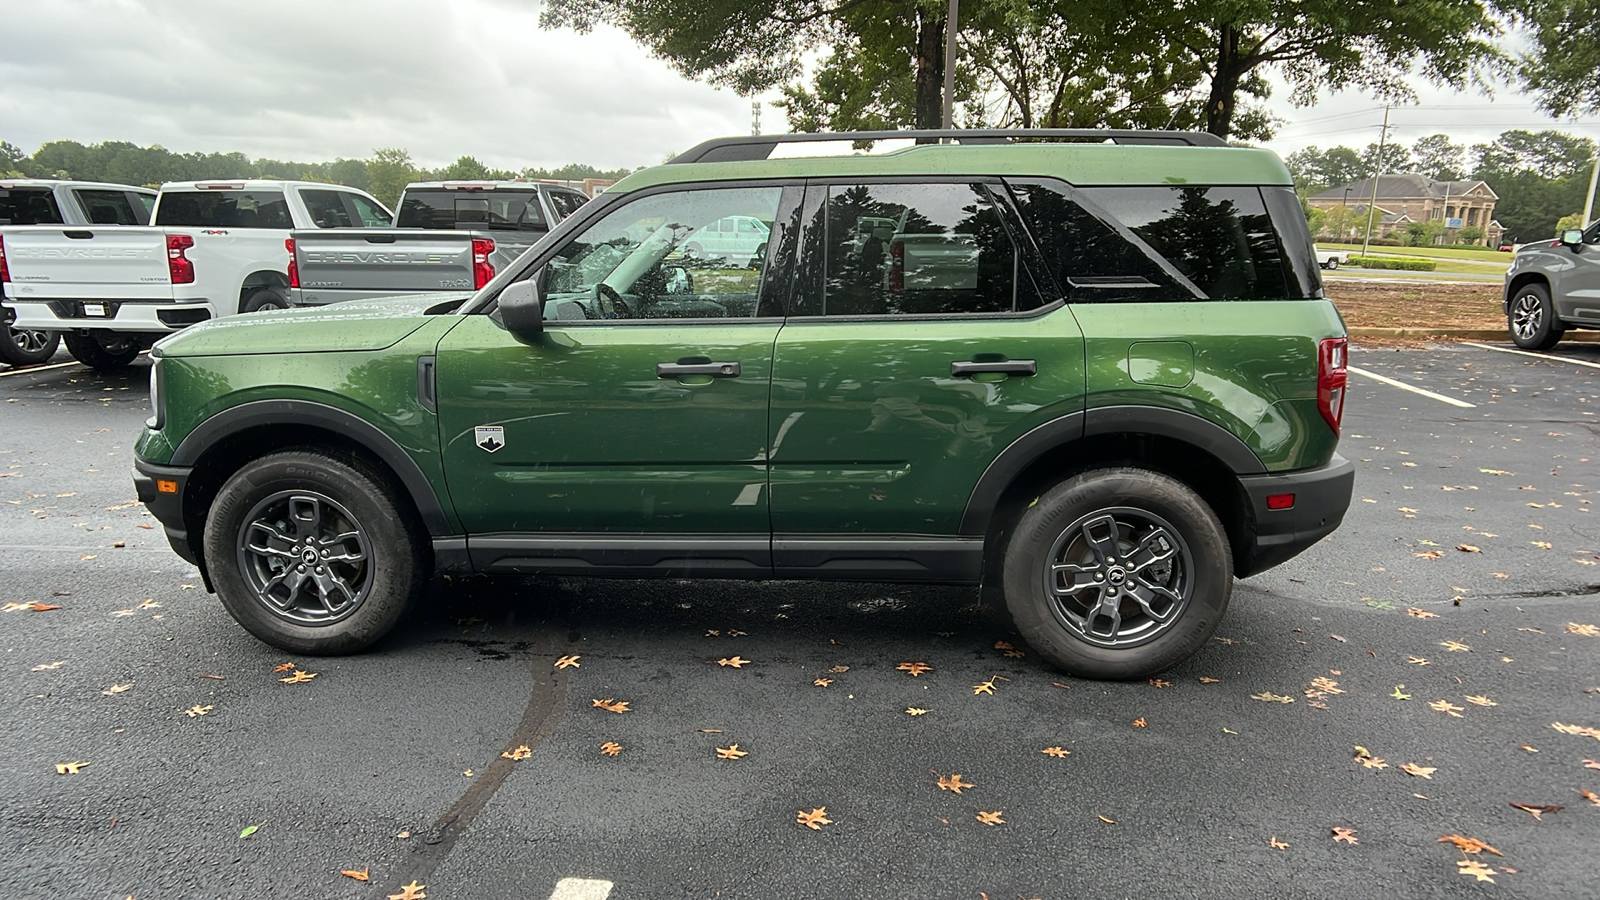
pixel 1404 199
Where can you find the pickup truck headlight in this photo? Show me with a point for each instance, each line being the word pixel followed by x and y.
pixel 158 397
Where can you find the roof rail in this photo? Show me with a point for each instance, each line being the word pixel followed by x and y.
pixel 760 146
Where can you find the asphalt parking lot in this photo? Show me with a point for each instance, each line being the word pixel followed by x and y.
pixel 1452 626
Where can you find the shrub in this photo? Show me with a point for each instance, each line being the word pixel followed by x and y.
pixel 1388 262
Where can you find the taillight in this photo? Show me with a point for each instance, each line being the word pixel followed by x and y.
pixel 1332 376
pixel 897 267
pixel 5 273
pixel 179 268
pixel 482 272
pixel 294 267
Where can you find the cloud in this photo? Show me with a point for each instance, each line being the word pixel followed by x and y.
pixel 314 81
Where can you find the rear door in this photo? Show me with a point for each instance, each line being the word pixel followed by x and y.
pixel 642 409
pixel 919 346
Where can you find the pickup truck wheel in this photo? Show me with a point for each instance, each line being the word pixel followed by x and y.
pixel 1532 319
pixel 312 554
pixel 1118 573
pixel 1332 263
pixel 25 346
pixel 107 351
pixel 266 298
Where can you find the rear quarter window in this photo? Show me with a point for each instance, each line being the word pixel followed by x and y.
pixel 224 209
pixel 29 206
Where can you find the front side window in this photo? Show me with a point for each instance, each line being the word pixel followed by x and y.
pixel 224 209
pixel 656 258
pixel 326 208
pixel 371 214
pixel 918 249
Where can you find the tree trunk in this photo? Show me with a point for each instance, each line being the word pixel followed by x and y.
pixel 1225 78
pixel 930 69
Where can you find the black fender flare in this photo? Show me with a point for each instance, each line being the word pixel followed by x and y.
pixel 235 419
pixel 1158 420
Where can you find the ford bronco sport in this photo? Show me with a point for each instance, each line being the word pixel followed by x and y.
pixel 1091 371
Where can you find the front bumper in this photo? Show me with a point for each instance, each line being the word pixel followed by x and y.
pixel 160 489
pixel 109 315
pixel 1321 498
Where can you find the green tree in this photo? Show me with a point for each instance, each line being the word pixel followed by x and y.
pixel 1538 175
pixel 1317 170
pixel 1395 158
pixel 1470 234
pixel 388 173
pixel 1572 220
pixel 1439 158
pixel 1560 68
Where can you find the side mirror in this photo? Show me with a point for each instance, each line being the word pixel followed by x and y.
pixel 1572 237
pixel 678 280
pixel 521 307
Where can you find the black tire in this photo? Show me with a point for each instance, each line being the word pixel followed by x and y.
pixel 108 351
pixel 314 554
pixel 265 298
pixel 1333 263
pixel 28 346
pixel 1531 318
pixel 1070 526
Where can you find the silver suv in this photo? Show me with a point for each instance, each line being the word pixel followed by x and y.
pixel 1552 287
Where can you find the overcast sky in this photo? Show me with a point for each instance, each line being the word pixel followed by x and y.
pixel 314 81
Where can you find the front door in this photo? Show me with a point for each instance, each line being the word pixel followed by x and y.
pixel 642 408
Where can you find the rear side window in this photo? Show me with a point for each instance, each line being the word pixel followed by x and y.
pixel 224 209
pixel 29 206
pixel 111 208
pixel 326 208
pixel 918 249
pixel 1219 238
pixel 371 214
pixel 472 210
pixel 566 202
pixel 1092 261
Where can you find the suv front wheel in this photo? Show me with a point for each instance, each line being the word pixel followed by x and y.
pixel 1532 319
pixel 1118 573
pixel 312 554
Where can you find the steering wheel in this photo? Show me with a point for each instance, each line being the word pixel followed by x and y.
pixel 609 304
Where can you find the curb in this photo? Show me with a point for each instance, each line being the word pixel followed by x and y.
pixel 1461 334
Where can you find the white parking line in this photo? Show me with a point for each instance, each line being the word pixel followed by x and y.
pixel 1554 359
pixel 581 889
pixel 1415 390
pixel 25 371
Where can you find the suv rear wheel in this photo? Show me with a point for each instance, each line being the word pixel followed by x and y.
pixel 1532 319
pixel 312 554
pixel 1118 573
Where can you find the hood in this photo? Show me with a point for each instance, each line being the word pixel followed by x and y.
pixel 353 325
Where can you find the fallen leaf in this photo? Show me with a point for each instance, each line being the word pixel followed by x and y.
pixel 823 682
pixel 284 667
pixel 1529 748
pixel 1399 694
pixel 1338 638
pixel 1276 844
pixel 731 751
pixel 1419 771
pixel 612 705
pixel 1372 762
pixel 45 667
pixel 1468 845
pixel 1495 472
pixel 116 689
pixel 1537 810
pixel 1326 685
pixel 1585 630
pixel 953 783
pixel 1160 683
pixel 357 874
pixel 1476 869
pixel 1542 545
pixel 1348 835
pixel 568 662
pixel 249 830
pixel 1468 548
pixel 70 768
pixel 198 710
pixel 1416 613
pixel 520 753
pixel 838 669
pixel 1003 645
pixel 1455 647
pixel 991 818
pixel 1591 764
pixel 1269 697
pixel 1139 722
pixel 1417 660
pixel 42 607
pixel 298 677
pixel 1481 701
pixel 412 891
pixel 1590 796
pixel 733 662
pixel 914 668
pixel 1445 706
pixel 1577 730
pixel 1056 752
pixel 985 688
pixel 916 711
pixel 610 748
pixel 1206 679
pixel 815 819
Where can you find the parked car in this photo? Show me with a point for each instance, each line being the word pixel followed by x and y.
pixel 1551 287
pixel 213 248
pixel 448 235
pixel 46 202
pixel 1055 407
pixel 1507 248
pixel 1331 259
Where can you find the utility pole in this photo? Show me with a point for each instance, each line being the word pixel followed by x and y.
pixel 1377 169
pixel 948 118
pixel 1588 201
pixel 755 117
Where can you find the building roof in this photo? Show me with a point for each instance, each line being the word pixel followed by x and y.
pixel 1405 187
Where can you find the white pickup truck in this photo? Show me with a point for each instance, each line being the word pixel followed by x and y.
pixel 214 248
pixel 1331 259
pixel 45 202
pixel 447 235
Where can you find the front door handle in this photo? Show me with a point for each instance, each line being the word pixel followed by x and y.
pixel 714 369
pixel 961 368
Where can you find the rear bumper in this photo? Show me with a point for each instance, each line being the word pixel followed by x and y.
pixel 1321 498
pixel 166 505
pixel 119 315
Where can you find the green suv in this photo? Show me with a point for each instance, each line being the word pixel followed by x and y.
pixel 1091 371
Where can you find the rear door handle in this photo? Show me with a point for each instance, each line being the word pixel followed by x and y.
pixel 960 368
pixel 714 369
